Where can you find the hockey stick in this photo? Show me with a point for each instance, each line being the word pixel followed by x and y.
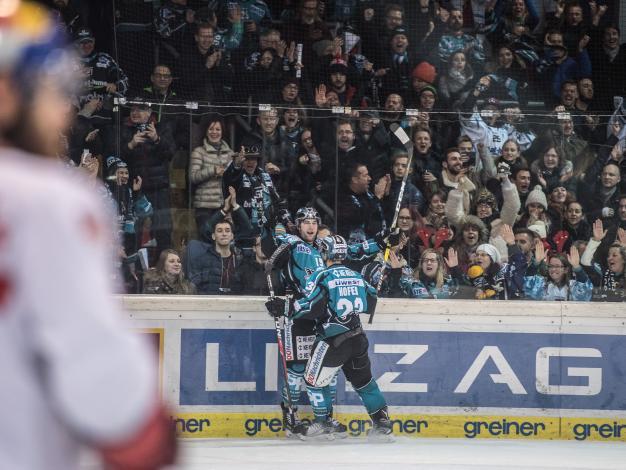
pixel 408 145
pixel 281 349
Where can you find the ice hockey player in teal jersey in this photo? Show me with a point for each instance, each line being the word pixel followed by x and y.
pixel 296 259
pixel 335 297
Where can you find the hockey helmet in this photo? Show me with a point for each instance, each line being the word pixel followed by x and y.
pixel 33 46
pixel 334 248
pixel 307 213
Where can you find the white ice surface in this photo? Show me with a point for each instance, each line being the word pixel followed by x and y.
pixel 405 453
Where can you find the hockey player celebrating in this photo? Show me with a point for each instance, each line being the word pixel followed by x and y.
pixel 72 374
pixel 335 297
pixel 297 258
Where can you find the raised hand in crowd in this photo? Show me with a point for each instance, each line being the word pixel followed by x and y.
pixel 272 169
pixel 91 136
pixel 506 232
pixel 394 260
pixel 540 251
pixel 320 96
pixel 574 257
pixel 238 158
pixel 621 236
pixel 381 188
pixel 452 260
pixel 137 181
pixel 598 230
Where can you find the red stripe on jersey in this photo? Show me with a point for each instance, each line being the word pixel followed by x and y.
pixel 91 227
pixel 6 288
pixel 153 447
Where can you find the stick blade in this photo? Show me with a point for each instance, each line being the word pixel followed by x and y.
pixel 399 133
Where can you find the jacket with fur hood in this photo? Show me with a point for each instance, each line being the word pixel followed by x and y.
pixel 456 211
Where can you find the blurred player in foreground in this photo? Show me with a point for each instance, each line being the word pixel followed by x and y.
pixel 72 375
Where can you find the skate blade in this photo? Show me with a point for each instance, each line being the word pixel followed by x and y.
pixel 380 438
pixel 340 435
pixel 318 438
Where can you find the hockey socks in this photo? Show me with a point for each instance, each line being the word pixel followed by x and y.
pixel 295 373
pixel 321 402
pixel 371 397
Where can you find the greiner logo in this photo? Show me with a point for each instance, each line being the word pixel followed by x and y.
pixel 191 425
pixel 502 428
pixel 254 426
pixel 605 431
pixel 356 427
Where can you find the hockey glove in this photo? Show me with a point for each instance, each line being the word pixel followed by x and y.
pixel 387 236
pixel 275 307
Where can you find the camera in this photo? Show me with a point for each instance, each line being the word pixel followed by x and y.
pixel 142 127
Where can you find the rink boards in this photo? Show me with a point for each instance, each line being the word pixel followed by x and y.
pixel 525 370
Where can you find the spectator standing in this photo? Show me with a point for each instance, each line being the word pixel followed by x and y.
pixel 602 186
pixel 206 168
pixel 608 59
pixel 103 78
pixel 199 66
pixel 254 187
pixel 457 40
pixel 306 29
pixel 412 197
pixel 167 277
pixel 148 147
pixel 173 24
pixel 457 82
pixel 606 274
pixel 358 208
pixel 396 65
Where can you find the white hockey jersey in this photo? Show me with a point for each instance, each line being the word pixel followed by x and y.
pixel 479 131
pixel 71 372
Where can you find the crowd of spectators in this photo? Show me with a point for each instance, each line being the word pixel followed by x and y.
pixel 515 165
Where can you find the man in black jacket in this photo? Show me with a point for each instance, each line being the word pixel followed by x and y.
pixel 148 147
pixel 214 268
pixel 358 208
pixel 199 66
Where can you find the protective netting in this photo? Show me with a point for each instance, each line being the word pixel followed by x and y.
pixel 527 94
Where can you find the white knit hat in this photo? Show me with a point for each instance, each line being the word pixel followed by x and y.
pixel 537 196
pixel 492 251
pixel 539 228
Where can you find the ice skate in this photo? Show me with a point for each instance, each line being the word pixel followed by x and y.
pixel 319 430
pixel 292 430
pixel 381 427
pixel 339 430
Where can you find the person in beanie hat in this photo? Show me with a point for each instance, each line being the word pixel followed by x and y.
pixel 537 196
pixel 536 210
pixel 491 250
pixel 493 279
pixel 422 75
pixel 338 83
pixel 131 204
